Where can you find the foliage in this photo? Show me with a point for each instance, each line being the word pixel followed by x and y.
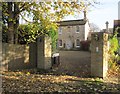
pixel 113 52
pixel 25 33
pixel 27 36
pixel 54 36
pixel 43 14
pixel 4 34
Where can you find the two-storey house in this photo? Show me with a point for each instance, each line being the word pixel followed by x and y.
pixel 71 32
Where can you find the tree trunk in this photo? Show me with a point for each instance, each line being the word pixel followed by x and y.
pixel 16 16
pixel 10 24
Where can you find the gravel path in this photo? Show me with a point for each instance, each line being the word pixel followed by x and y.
pixel 76 63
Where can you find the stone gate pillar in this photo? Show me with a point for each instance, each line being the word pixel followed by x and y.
pixel 44 53
pixel 99 54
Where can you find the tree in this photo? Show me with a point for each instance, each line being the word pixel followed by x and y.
pixel 10 15
pixel 44 15
pixel 94 27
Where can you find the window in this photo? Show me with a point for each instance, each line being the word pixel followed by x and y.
pixel 60 30
pixel 13 6
pixel 77 29
pixel 60 43
pixel 77 43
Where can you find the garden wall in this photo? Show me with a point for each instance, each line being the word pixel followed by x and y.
pixel 99 54
pixel 15 57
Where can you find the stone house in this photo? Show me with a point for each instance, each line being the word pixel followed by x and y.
pixel 71 32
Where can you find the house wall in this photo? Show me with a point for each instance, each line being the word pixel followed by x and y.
pixel 87 30
pixel 69 34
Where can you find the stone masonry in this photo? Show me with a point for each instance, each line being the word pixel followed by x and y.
pixel 99 54
pixel 44 53
pixel 14 57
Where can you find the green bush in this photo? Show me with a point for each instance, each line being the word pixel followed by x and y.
pixel 113 56
pixel 54 36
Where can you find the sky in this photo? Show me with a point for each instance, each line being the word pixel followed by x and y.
pixel 107 10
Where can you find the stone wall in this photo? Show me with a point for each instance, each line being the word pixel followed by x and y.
pixel 33 55
pixel 48 53
pixel 15 57
pixel 44 53
pixel 18 57
pixel 99 54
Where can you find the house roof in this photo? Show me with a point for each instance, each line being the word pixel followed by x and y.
pixel 72 22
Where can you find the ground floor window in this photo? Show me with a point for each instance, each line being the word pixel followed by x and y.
pixel 77 43
pixel 60 43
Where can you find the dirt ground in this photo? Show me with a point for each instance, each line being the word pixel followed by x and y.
pixel 75 63
pixel 72 75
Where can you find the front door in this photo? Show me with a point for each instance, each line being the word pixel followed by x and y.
pixel 68 44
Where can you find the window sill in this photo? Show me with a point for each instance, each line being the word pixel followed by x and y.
pixel 60 46
pixel 77 46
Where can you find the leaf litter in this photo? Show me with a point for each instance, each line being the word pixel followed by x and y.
pixel 40 82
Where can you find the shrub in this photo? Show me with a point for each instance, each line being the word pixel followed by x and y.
pixel 85 45
pixel 113 56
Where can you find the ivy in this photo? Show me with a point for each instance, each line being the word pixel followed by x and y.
pixel 54 36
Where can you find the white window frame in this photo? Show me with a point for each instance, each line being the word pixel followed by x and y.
pixel 76 43
pixel 60 30
pixel 77 29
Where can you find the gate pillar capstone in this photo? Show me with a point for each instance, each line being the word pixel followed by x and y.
pixel 44 53
pixel 99 54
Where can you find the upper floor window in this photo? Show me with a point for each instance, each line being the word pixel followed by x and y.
pixel 60 30
pixel 77 29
